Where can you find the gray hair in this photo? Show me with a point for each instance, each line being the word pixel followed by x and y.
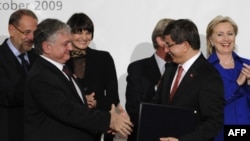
pixel 48 30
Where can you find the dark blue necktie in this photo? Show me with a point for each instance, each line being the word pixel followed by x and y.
pixel 24 63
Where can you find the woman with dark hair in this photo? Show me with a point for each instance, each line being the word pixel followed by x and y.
pixel 94 69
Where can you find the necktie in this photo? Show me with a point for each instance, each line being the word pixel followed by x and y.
pixel 67 72
pixel 24 63
pixel 176 83
pixel 72 82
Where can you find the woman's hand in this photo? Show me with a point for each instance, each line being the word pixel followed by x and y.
pixel 244 75
pixel 91 100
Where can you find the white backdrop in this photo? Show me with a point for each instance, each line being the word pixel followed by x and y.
pixel 124 27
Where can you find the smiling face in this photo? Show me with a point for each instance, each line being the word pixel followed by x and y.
pixel 22 35
pixel 223 38
pixel 59 50
pixel 176 51
pixel 82 39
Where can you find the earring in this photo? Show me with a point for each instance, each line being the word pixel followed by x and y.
pixel 212 44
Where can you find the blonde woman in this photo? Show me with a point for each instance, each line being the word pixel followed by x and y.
pixel 235 70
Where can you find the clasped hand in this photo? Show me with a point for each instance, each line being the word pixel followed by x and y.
pixel 120 121
pixel 91 101
pixel 244 75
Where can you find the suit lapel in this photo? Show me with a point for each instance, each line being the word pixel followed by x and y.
pixel 82 91
pixel 63 78
pixel 189 78
pixel 151 76
pixel 165 84
pixel 11 58
pixel 152 72
pixel 32 56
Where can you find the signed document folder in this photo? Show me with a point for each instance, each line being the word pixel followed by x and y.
pixel 157 121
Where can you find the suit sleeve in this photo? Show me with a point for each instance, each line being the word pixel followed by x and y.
pixel 54 97
pixel 111 85
pixel 134 92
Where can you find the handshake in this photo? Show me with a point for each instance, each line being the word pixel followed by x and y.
pixel 120 121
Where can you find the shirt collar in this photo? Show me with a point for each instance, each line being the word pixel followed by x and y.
pixel 58 65
pixel 12 48
pixel 160 62
pixel 189 62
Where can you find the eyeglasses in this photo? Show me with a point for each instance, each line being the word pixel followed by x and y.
pixel 26 33
pixel 170 45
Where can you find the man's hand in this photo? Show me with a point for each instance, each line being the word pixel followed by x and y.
pixel 120 121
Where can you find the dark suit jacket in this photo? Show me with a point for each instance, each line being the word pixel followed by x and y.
pixel 12 78
pixel 100 77
pixel 201 89
pixel 54 110
pixel 142 77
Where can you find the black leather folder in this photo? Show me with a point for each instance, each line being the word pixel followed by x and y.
pixel 157 121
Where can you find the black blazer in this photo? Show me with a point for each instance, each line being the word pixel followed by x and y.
pixel 201 89
pixel 100 77
pixel 143 75
pixel 12 78
pixel 54 110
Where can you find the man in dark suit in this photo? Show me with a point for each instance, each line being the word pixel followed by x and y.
pixel 200 85
pixel 22 24
pixel 55 107
pixel 144 74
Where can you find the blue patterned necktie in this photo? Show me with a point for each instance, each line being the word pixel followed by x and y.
pixel 24 63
